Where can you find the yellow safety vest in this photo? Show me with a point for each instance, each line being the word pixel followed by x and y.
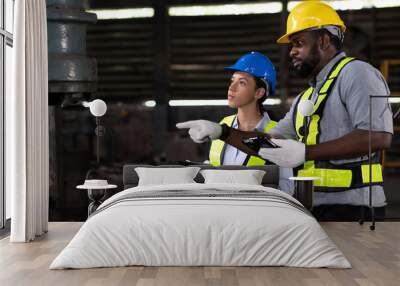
pixel 218 146
pixel 332 177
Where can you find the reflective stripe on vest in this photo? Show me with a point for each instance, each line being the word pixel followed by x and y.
pixel 218 146
pixel 332 177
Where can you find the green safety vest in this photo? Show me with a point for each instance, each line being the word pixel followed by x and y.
pixel 218 146
pixel 332 177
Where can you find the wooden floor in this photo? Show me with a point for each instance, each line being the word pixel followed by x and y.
pixel 374 255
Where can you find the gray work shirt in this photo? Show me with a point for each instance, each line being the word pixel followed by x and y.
pixel 233 156
pixel 347 109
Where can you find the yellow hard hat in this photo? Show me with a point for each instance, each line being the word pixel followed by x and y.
pixel 310 14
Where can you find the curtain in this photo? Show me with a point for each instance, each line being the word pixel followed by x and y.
pixel 27 148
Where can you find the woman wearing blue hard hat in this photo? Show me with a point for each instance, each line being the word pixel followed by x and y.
pixel 253 80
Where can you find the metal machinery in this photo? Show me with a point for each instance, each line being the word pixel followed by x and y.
pixel 72 77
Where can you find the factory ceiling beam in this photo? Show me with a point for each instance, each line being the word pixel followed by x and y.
pixel 116 4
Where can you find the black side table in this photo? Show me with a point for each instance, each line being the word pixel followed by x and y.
pixel 96 195
pixel 304 190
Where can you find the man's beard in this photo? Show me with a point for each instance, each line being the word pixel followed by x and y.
pixel 306 68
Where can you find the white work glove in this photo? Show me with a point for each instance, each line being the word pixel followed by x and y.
pixel 290 154
pixel 201 130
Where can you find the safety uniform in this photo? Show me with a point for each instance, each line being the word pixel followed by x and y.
pixel 340 93
pixel 218 147
pixel 225 154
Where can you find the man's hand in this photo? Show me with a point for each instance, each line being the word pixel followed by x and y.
pixel 290 154
pixel 201 130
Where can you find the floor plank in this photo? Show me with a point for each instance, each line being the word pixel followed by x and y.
pixel 374 255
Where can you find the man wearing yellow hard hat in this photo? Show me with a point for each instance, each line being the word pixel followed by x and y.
pixel 325 133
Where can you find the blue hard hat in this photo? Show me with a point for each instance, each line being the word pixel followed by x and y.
pixel 257 65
